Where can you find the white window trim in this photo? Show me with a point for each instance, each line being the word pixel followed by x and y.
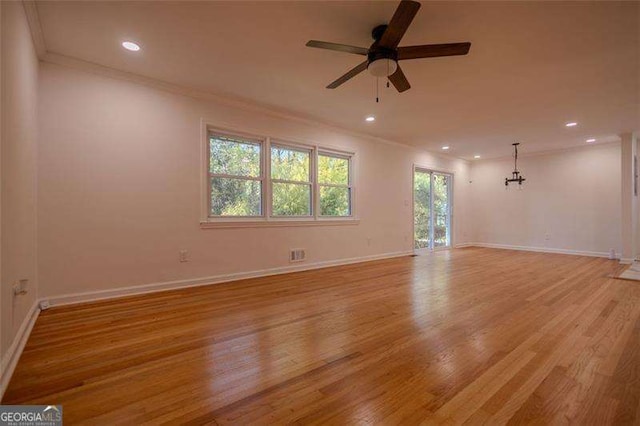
pixel 267 220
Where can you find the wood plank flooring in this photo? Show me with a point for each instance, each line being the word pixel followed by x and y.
pixel 466 336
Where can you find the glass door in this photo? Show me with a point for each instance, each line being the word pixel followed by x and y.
pixel 432 194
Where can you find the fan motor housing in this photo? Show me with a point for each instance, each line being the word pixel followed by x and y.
pixel 377 32
pixel 376 53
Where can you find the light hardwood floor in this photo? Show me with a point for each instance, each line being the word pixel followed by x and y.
pixel 469 335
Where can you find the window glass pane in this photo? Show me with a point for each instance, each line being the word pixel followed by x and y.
pixel 234 157
pixel 235 197
pixel 333 170
pixel 291 199
pixel 440 210
pixel 421 209
pixel 289 164
pixel 334 201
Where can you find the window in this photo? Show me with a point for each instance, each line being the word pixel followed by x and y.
pixel 291 185
pixel 334 179
pixel 254 179
pixel 235 176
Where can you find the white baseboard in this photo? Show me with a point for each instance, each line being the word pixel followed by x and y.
pixel 10 359
pixel 68 299
pixel 541 249
pixel 463 245
pixel 75 298
pixel 626 261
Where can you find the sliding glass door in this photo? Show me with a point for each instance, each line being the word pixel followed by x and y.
pixel 432 194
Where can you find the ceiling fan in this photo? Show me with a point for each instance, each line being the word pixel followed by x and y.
pixel 383 55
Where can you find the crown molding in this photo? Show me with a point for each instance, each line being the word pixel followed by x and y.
pixel 557 151
pixel 33 19
pixel 238 103
pixel 45 55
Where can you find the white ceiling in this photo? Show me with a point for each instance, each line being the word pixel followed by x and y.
pixel 532 66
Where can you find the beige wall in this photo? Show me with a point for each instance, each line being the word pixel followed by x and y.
pixel 18 169
pixel 119 189
pixel 119 192
pixel 571 201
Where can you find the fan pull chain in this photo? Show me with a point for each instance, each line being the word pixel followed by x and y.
pixel 387 74
pixel 377 89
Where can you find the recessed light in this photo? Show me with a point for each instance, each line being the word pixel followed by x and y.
pixel 571 124
pixel 370 118
pixel 591 140
pixel 445 148
pixel 129 45
pixel 476 156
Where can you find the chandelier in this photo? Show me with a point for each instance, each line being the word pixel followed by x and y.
pixel 516 176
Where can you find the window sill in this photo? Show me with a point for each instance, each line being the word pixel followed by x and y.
pixel 239 223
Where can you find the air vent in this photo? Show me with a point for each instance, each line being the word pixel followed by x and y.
pixel 297 255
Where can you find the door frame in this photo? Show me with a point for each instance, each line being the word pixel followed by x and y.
pixel 451 173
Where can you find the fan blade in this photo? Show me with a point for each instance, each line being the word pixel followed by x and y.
pixel 399 80
pixel 401 20
pixel 339 47
pixel 352 73
pixel 433 50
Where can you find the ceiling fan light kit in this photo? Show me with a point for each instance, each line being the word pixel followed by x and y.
pixel 383 55
pixel 382 67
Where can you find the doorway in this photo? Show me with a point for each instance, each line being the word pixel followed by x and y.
pixel 432 196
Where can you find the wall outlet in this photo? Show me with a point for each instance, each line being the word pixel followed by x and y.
pixel 20 287
pixel 184 255
pixel 368 241
pixel 547 237
pixel 297 255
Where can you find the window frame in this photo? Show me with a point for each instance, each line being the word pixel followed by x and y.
pixel 348 186
pixel 310 183
pixel 267 218
pixel 261 178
